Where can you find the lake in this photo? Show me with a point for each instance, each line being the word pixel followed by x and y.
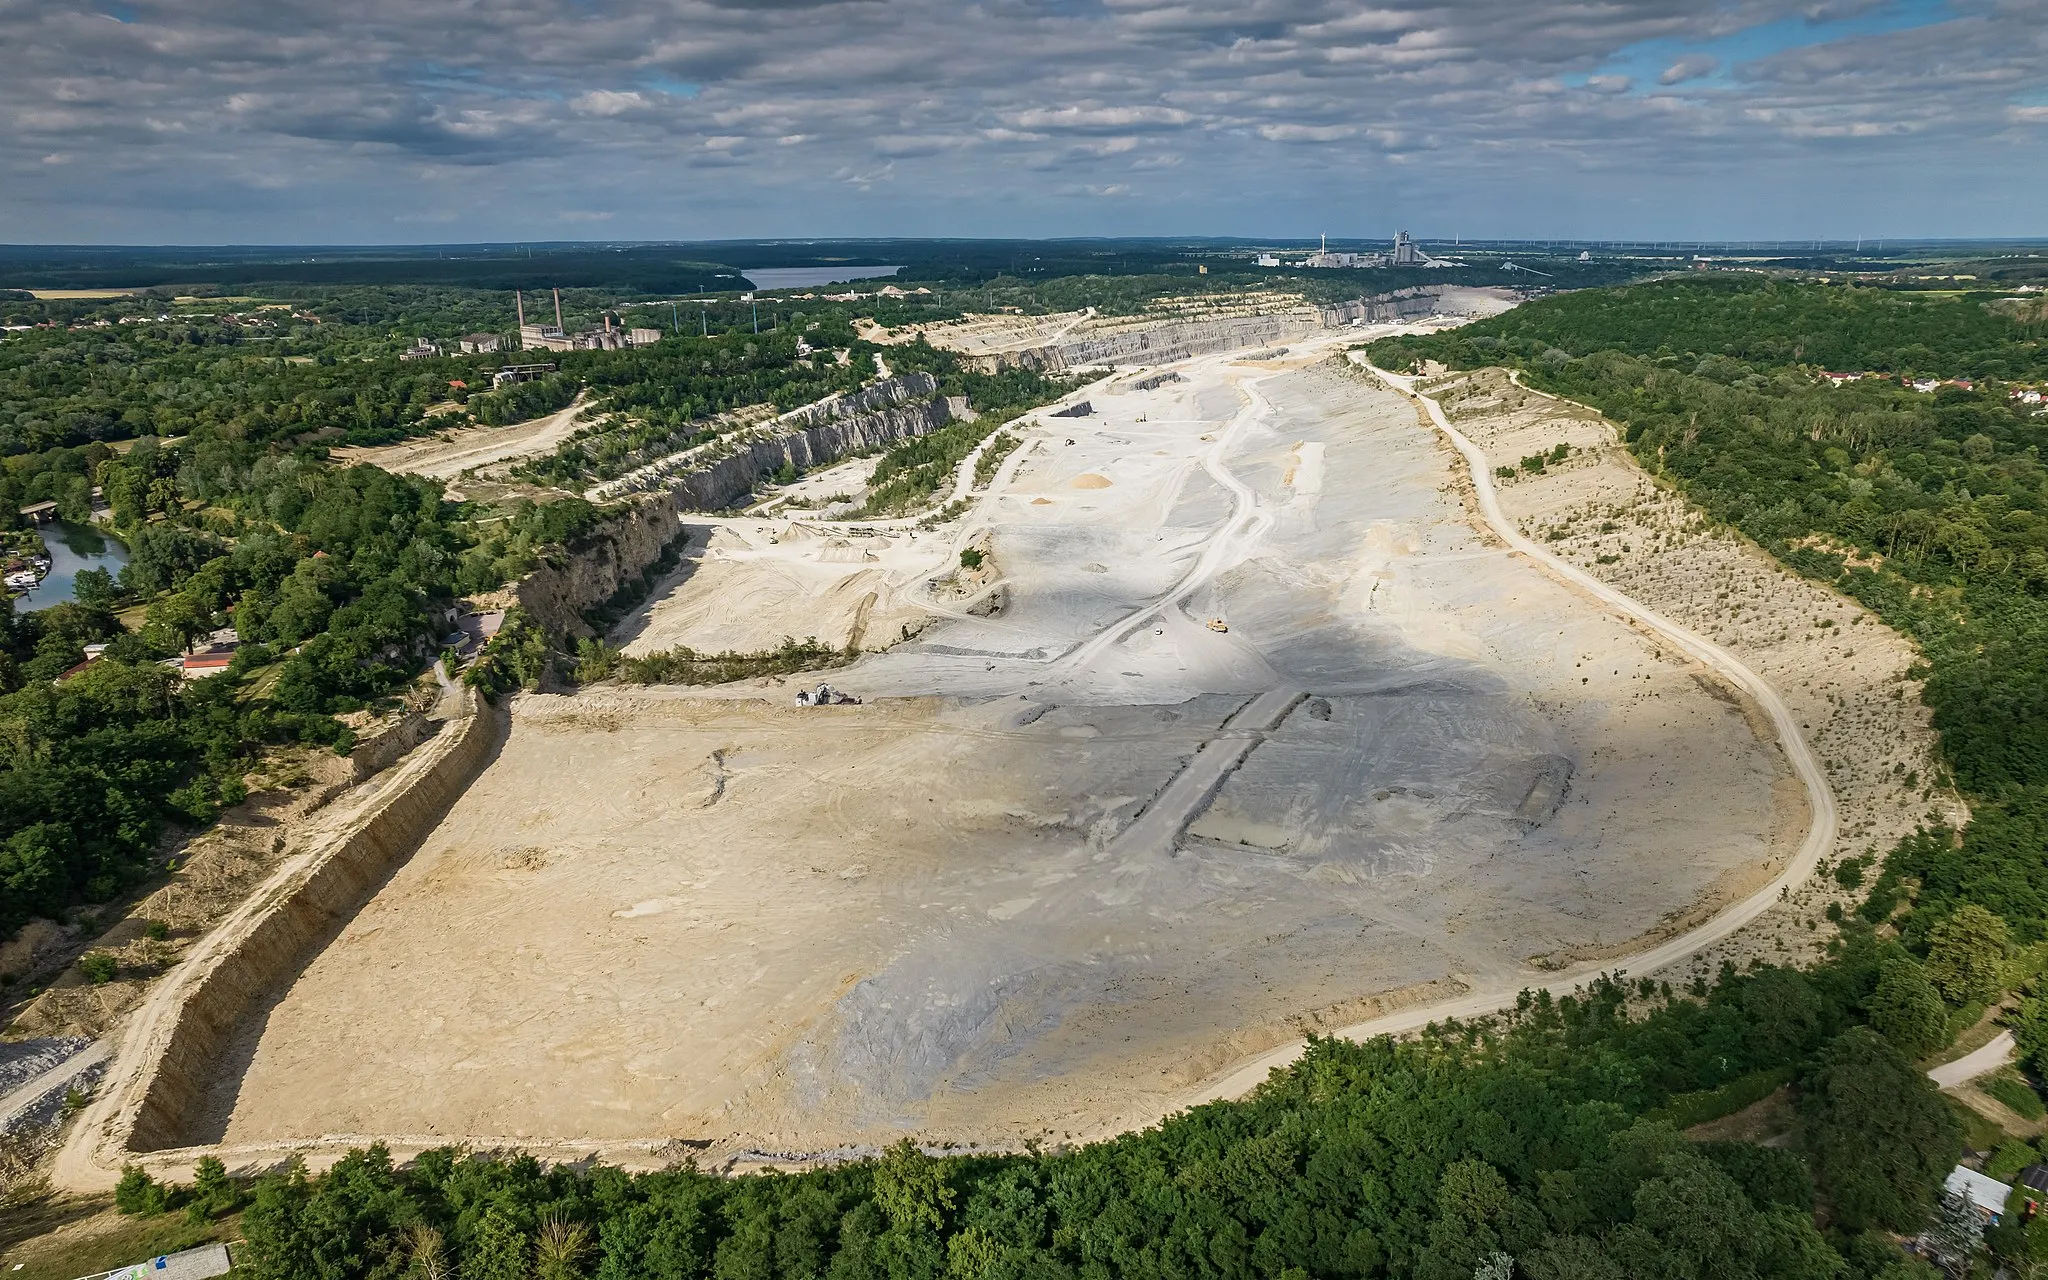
pixel 805 277
pixel 73 547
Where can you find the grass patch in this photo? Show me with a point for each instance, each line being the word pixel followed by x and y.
pixel 2012 1090
pixel 1980 1132
pixel 1688 1109
pixel 96 1240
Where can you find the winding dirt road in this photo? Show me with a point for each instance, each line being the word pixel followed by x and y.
pixel 1820 835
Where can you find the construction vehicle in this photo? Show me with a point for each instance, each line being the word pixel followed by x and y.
pixel 1218 624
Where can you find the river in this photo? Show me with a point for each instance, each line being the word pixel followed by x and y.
pixel 73 548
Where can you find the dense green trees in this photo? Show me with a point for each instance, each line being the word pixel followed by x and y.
pixel 1907 1010
pixel 1966 953
pixel 1521 1138
pixel 1880 1136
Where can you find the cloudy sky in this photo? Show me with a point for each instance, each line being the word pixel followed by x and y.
pixel 280 121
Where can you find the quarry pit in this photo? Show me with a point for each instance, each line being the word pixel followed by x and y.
pixel 1243 728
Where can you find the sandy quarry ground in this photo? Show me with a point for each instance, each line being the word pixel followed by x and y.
pixel 1842 671
pixel 449 454
pixel 1069 860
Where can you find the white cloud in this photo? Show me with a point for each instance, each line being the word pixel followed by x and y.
pixel 1694 66
pixel 1086 118
pixel 1307 132
pixel 249 118
pixel 607 102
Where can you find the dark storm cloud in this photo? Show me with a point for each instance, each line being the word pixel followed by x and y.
pixel 288 120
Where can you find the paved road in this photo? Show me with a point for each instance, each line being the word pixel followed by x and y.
pixel 1820 835
pixel 1979 1062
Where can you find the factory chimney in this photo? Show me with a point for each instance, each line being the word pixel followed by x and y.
pixel 520 302
pixel 558 312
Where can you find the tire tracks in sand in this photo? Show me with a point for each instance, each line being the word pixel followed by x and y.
pixel 1820 834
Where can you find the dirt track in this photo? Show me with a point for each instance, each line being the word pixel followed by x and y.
pixel 446 456
pixel 998 901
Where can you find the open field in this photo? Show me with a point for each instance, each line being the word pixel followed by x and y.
pixel 449 454
pixel 1073 858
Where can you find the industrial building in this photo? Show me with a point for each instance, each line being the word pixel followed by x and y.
pixel 553 337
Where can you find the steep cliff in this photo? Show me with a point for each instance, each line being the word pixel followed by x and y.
pixel 621 552
pixel 1173 340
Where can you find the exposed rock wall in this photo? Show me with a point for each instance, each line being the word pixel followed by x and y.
pixel 1179 339
pixel 886 394
pixel 379 752
pixel 174 1047
pixel 566 585
pixel 731 478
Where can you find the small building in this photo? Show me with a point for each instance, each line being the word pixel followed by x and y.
pixel 193 1264
pixel 203 666
pixel 2031 1190
pixel 421 350
pixel 520 373
pixel 476 344
pixel 642 337
pixel 473 631
pixel 1986 1194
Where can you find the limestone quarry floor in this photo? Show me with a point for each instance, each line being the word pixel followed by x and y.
pixel 1067 861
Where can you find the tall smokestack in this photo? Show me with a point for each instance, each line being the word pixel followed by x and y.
pixel 520 303
pixel 558 309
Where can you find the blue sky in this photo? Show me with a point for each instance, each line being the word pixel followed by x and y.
pixel 382 121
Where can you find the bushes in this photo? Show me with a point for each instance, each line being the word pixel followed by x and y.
pixel 1689 1109
pixel 99 967
pixel 685 665
pixel 139 1195
pixel 516 658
